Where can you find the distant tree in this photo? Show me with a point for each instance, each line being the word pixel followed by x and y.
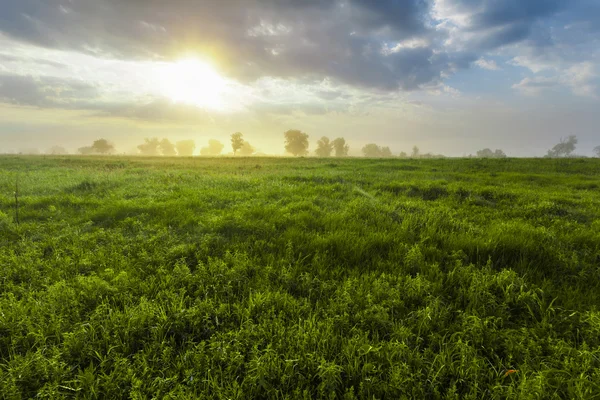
pixel 247 149
pixel 403 154
pixel 185 148
pixel 488 153
pixel 485 153
pixel 324 147
pixel 296 142
pixel 597 151
pixel 85 151
pixel 103 146
pixel 386 152
pixel 167 148
pixel 499 154
pixel 237 141
pixel 340 147
pixel 415 152
pixel 214 148
pixel 372 150
pixel 57 151
pixel 150 147
pixel 565 148
pixel 100 146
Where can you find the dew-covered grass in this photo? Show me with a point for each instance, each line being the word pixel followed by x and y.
pixel 299 278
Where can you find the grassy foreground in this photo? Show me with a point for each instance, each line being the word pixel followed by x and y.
pixel 299 278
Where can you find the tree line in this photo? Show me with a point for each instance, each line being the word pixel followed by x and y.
pixel 296 143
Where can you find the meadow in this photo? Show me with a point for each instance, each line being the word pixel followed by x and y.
pixel 240 278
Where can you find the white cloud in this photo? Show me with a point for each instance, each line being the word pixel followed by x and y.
pixel 535 85
pixel 487 64
pixel 578 78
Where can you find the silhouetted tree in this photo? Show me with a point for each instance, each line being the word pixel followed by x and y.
pixel 563 149
pixel 371 150
pixel 103 146
pixel 167 148
pixel 499 154
pixel 296 142
pixel 237 141
pixel 57 151
pixel 247 149
pixel 85 151
pixel 386 152
pixel 340 147
pixel 415 152
pixel 597 151
pixel 100 146
pixel 488 153
pixel 185 148
pixel 214 148
pixel 324 147
pixel 150 147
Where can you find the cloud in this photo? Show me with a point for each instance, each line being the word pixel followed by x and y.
pixel 308 39
pixel 384 45
pixel 491 24
pixel 579 78
pixel 487 64
pixel 534 86
pixel 44 91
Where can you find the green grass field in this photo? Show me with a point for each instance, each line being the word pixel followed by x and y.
pixel 299 278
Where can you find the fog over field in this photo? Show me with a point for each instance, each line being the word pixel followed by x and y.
pixel 450 76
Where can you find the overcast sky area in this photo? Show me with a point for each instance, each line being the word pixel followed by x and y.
pixel 450 76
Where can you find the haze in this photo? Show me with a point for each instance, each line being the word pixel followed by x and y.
pixel 449 76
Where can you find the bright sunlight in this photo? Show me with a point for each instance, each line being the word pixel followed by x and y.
pixel 195 82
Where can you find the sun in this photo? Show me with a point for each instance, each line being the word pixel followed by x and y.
pixel 194 82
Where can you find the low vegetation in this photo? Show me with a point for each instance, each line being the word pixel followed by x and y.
pixel 299 278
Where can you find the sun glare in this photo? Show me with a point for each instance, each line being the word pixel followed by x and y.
pixel 195 82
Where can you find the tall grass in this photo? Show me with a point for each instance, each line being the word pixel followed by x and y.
pixel 305 278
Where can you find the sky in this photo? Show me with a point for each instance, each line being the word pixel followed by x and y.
pixel 450 76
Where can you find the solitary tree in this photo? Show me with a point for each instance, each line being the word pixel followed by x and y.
pixel 57 150
pixel 324 147
pixel 563 149
pixel 415 152
pixel 485 153
pixel 214 148
pixel 237 141
pixel 296 142
pixel 100 146
pixel 103 146
pixel 247 149
pixel 85 150
pixel 488 153
pixel 403 154
pixel 499 154
pixel 597 151
pixel 386 152
pixel 167 148
pixel 340 147
pixel 371 150
pixel 185 148
pixel 150 147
